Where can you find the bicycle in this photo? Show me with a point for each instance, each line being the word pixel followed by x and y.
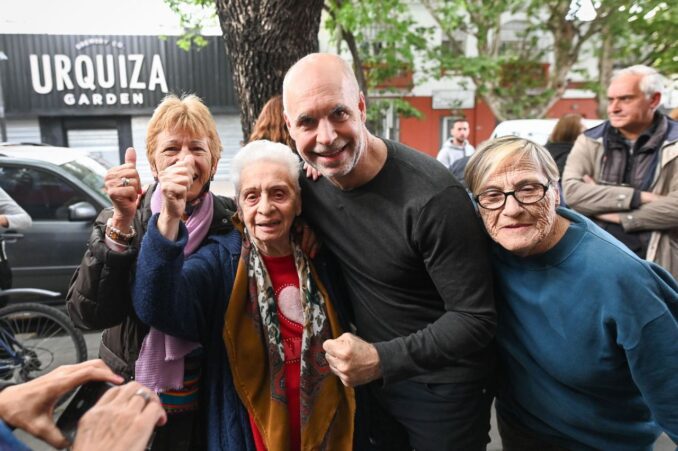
pixel 34 338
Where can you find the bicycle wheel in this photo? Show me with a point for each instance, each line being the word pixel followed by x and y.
pixel 41 338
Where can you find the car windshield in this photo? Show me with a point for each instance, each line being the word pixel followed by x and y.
pixel 90 172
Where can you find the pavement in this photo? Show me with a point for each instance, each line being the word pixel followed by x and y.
pixel 92 339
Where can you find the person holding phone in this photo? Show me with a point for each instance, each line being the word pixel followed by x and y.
pixel 123 419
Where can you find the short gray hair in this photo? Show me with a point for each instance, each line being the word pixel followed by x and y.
pixel 651 81
pixel 264 150
pixel 491 154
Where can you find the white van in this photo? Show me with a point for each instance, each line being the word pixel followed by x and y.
pixel 537 130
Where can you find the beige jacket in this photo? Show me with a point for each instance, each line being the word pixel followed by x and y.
pixel 661 216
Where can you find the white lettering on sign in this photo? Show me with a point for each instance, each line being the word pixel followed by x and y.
pixel 134 82
pixel 58 72
pixel 137 98
pixel 122 64
pixel 83 99
pixel 105 73
pixel 157 76
pixel 84 72
pixel 44 87
pixel 62 67
pixel 98 41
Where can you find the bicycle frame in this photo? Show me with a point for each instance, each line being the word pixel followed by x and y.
pixel 12 354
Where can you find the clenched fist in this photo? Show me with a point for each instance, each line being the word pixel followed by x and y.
pixel 352 359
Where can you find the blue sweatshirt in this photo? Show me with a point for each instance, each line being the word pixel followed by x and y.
pixel 588 338
pixel 187 298
pixel 7 440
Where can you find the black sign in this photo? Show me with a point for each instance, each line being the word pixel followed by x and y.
pixel 103 75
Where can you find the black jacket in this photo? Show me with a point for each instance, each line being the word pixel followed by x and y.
pixel 100 293
pixel 559 151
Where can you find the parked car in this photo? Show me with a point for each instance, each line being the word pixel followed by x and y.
pixel 62 190
pixel 537 130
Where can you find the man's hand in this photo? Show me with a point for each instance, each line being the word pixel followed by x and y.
pixel 647 197
pixel 123 419
pixel 352 359
pixel 123 186
pixel 609 217
pixel 588 179
pixel 30 406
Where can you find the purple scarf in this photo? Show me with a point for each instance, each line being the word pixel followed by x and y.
pixel 160 365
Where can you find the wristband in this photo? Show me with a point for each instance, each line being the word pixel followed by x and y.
pixel 118 235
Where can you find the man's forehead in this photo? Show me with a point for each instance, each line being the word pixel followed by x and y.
pixel 318 100
pixel 626 84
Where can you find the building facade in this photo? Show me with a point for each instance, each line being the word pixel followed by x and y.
pixel 99 91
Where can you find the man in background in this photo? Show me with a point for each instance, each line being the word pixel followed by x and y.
pixel 624 174
pixel 457 146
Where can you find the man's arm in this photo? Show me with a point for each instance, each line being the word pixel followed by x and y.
pixel 655 212
pixel 444 156
pixel 659 214
pixel 455 251
pixel 586 198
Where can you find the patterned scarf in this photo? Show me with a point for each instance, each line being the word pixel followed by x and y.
pixel 253 341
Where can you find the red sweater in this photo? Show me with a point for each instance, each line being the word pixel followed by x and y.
pixel 283 274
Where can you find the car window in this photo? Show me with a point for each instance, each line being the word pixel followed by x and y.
pixel 90 172
pixel 44 196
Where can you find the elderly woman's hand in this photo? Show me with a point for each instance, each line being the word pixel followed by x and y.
pixel 123 186
pixel 123 419
pixel 30 406
pixel 175 182
pixel 307 238
pixel 311 172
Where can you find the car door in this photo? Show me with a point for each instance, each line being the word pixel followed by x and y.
pixel 52 248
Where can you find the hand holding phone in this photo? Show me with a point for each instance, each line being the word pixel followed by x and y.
pixel 123 419
pixel 84 399
pixel 30 406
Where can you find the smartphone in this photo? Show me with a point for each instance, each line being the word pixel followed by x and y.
pixel 84 399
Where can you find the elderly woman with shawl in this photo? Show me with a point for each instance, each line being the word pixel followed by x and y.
pixel 255 302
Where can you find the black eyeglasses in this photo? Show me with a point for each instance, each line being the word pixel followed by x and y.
pixel 494 199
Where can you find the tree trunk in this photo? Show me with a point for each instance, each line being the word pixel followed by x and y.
pixel 605 66
pixel 358 69
pixel 263 38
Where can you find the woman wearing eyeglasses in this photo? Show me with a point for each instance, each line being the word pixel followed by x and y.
pixel 588 332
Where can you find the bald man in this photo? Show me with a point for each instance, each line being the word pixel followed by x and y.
pixel 415 260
